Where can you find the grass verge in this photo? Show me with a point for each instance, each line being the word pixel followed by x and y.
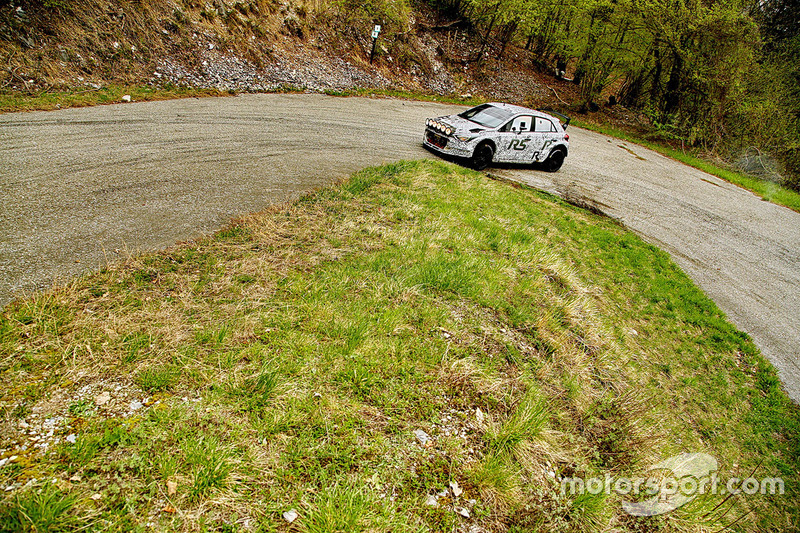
pixel 13 101
pixel 467 100
pixel 419 348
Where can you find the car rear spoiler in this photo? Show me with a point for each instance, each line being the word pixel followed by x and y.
pixel 563 118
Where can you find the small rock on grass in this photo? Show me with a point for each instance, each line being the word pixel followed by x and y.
pixel 102 399
pixel 457 491
pixel 126 98
pixel 290 515
pixel 423 438
pixel 462 511
pixel 432 501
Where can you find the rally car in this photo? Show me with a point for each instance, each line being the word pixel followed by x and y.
pixel 500 133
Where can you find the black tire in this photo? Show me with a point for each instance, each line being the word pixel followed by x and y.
pixel 554 162
pixel 482 156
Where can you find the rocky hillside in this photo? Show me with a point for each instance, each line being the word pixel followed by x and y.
pixel 256 45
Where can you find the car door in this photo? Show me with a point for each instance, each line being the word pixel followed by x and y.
pixel 514 143
pixel 544 135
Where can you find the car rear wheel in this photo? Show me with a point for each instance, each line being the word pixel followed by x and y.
pixel 554 162
pixel 482 156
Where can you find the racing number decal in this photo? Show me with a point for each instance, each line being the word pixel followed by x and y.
pixel 518 144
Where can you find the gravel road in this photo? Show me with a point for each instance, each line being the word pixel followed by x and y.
pixel 85 186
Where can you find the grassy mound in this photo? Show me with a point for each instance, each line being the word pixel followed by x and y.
pixel 417 349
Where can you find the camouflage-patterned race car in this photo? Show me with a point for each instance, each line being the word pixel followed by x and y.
pixel 500 133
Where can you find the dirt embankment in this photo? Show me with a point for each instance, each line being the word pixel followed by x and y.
pixel 249 45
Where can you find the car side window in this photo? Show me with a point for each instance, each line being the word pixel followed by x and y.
pixel 544 126
pixel 521 124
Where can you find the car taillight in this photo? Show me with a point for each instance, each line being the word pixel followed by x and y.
pixel 566 136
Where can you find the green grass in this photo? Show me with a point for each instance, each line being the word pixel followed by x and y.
pixel 286 362
pixel 411 95
pixel 156 378
pixel 47 509
pixel 14 101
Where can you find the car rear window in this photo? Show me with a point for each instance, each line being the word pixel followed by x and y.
pixel 487 115
pixel 544 125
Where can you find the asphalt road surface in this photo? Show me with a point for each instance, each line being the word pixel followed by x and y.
pixel 81 187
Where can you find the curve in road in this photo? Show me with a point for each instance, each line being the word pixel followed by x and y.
pixel 79 184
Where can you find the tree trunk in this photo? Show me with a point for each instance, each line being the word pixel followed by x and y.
pixel 486 38
pixel 580 70
pixel 672 97
pixel 508 34
pixel 655 88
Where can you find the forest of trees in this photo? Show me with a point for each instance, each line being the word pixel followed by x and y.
pixel 721 75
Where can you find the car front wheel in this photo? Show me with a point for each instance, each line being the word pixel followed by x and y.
pixel 482 157
pixel 554 162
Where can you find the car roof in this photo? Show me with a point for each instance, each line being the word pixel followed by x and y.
pixel 516 109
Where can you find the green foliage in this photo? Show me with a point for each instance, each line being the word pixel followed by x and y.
pixel 56 4
pixel 697 67
pixel 157 378
pixel 444 273
pixel 40 509
pixel 358 16
pixel 82 407
pixel 258 390
pixel 210 463
pixel 525 424
pixel 589 510
pixel 778 22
